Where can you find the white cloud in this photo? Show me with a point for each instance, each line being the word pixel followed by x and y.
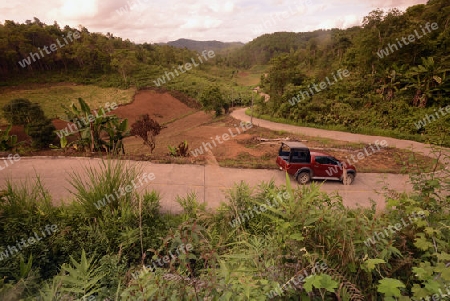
pixel 227 7
pixel 74 9
pixel 201 23
pixel 341 22
pixel 224 20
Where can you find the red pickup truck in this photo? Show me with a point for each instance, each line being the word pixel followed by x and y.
pixel 297 160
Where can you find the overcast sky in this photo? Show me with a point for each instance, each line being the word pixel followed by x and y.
pixel 154 21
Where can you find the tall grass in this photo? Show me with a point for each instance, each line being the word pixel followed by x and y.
pixel 96 183
pixel 24 198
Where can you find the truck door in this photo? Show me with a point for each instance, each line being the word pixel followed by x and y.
pixel 326 167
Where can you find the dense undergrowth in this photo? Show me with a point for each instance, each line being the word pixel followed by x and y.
pixel 267 242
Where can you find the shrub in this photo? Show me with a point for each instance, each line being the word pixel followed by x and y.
pixel 42 133
pixel 22 112
pixel 147 129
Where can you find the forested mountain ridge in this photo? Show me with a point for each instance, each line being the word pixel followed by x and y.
pixel 267 46
pixel 202 45
pixel 40 53
pixel 90 56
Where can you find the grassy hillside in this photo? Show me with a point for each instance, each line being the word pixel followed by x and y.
pixel 50 97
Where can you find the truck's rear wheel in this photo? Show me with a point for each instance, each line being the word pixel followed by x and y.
pixel 304 178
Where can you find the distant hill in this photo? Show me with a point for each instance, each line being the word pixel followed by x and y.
pixel 205 45
pixel 263 48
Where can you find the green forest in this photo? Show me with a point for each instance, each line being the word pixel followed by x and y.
pixel 105 61
pixel 392 87
pixel 394 84
pixel 388 77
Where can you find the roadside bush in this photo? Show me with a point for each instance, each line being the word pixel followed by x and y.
pixel 23 112
pixel 42 133
pixel 7 141
pixel 267 242
pixel 268 254
pixel 118 236
pixel 25 209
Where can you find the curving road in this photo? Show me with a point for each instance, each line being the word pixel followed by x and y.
pixel 210 182
pixel 343 136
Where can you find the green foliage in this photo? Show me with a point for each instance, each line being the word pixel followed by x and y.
pixel 284 234
pixel 119 231
pixel 25 208
pixel 172 150
pixel 300 228
pixel 117 130
pixel 258 244
pixel 80 279
pixel 322 282
pixel 192 209
pixel 22 112
pixel 7 141
pixel 63 143
pixel 42 133
pixel 212 100
pixel 90 135
pixel 388 94
pixel 182 150
pixel 390 288
pixel 97 182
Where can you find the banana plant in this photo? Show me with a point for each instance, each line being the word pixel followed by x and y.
pixel 426 79
pixel 77 115
pixel 117 131
pixel 7 141
pixel 90 136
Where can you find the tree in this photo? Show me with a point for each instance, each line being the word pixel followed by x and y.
pixel 212 100
pixel 21 111
pixel 147 129
pixel 390 83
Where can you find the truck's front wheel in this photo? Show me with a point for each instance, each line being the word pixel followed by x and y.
pixel 304 178
pixel 350 179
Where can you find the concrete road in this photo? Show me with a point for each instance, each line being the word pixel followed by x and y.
pixel 208 182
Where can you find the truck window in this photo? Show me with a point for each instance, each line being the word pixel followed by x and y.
pixel 326 160
pixel 300 157
pixel 333 161
pixel 284 152
pixel 321 160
